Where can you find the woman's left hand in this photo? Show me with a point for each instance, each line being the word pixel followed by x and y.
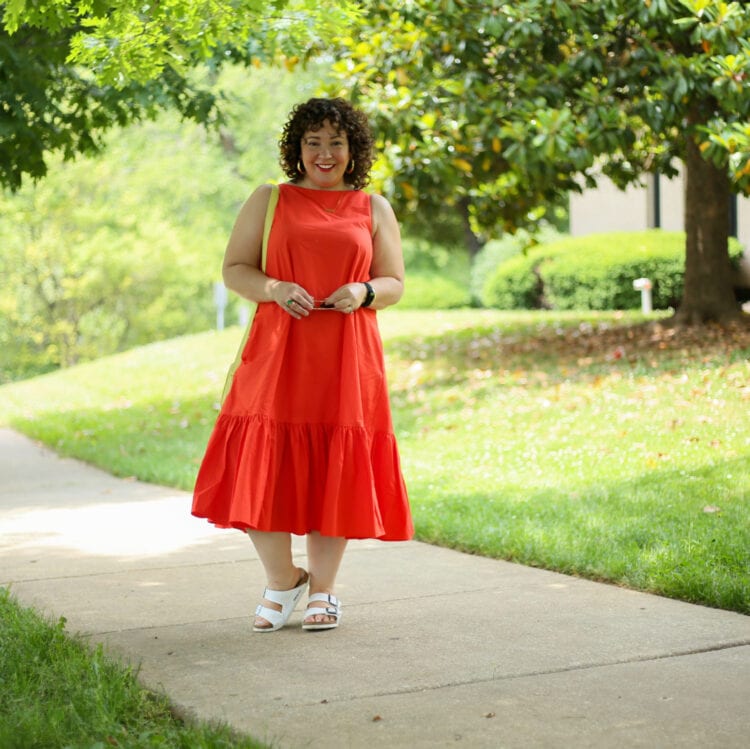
pixel 348 297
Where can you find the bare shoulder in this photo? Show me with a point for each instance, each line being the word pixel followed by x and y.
pixel 248 226
pixel 382 212
pixel 255 206
pixel 262 194
pixel 380 203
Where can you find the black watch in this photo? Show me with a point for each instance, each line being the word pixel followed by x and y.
pixel 370 297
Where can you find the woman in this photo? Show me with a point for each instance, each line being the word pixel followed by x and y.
pixel 304 441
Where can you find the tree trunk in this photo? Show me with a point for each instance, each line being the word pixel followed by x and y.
pixel 708 295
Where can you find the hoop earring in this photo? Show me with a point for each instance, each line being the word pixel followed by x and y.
pixel 300 168
pixel 351 167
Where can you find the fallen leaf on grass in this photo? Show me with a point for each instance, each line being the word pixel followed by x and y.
pixel 711 509
pixel 579 347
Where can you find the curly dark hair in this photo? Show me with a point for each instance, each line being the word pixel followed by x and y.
pixel 310 115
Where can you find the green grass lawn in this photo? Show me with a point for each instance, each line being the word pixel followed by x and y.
pixel 58 692
pixel 586 443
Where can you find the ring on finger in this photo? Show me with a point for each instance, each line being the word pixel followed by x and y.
pixel 289 302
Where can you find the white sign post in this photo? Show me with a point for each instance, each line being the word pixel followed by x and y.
pixel 644 286
pixel 220 300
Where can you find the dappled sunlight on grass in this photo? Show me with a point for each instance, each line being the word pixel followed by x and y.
pixel 160 371
pixel 597 444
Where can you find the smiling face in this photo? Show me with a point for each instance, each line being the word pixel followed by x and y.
pixel 325 157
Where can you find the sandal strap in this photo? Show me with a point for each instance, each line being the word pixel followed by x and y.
pixel 287 597
pixel 323 612
pixel 327 598
pixel 284 597
pixel 272 616
pixel 332 609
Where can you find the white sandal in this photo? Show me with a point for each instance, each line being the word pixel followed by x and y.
pixel 332 609
pixel 287 599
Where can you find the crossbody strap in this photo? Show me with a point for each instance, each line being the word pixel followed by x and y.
pixel 270 211
pixel 272 201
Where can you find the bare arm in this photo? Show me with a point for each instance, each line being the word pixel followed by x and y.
pixel 387 260
pixel 242 260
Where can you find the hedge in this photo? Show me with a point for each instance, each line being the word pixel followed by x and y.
pixel 498 251
pixel 594 272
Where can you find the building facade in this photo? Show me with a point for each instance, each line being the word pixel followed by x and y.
pixel 658 205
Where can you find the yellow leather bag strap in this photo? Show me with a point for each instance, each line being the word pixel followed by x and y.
pixel 272 201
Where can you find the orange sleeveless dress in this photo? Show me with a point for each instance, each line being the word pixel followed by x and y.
pixel 304 440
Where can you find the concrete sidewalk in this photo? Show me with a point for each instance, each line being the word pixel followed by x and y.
pixel 436 648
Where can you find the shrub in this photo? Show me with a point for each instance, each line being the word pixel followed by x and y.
pixel 597 271
pixel 514 285
pixel 498 251
pixel 594 272
pixel 493 254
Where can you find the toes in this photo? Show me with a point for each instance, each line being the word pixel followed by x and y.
pixel 319 619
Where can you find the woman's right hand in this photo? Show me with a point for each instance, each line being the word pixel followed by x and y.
pixel 292 298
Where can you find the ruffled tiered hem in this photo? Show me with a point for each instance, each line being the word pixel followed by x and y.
pixel 297 478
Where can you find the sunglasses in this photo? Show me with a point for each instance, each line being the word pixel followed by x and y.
pixel 322 305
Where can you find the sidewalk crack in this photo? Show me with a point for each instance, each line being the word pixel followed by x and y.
pixel 544 672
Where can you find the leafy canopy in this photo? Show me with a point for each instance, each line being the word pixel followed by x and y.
pixel 70 71
pixel 122 248
pixel 512 106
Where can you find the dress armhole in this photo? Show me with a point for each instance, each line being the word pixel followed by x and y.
pixel 372 215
